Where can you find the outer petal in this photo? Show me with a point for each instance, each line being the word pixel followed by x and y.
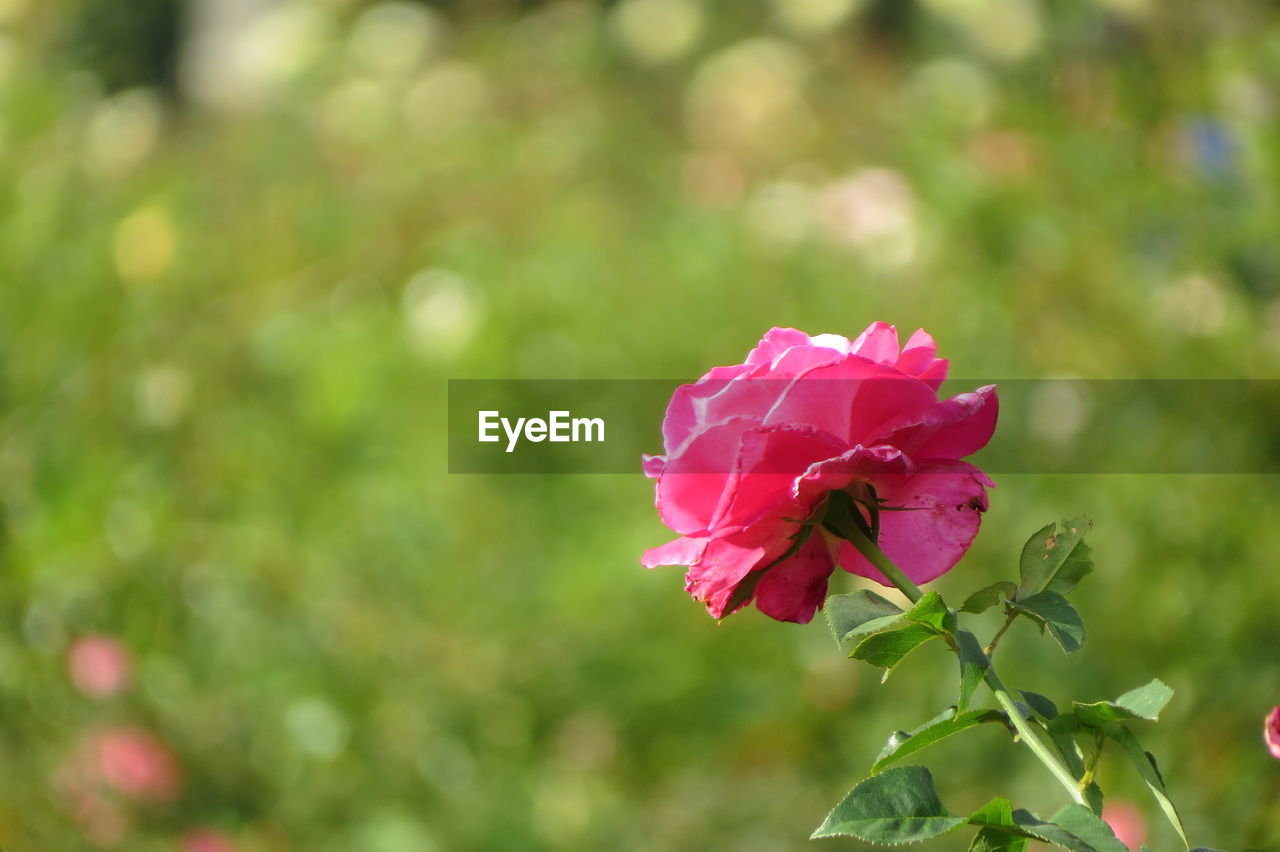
pixel 775 342
pixel 919 358
pixel 728 559
pixel 1272 732
pixel 685 550
pixel 686 413
pixel 878 343
pixel 851 398
pixel 951 429
pixel 794 590
pixel 653 465
pixel 943 506
pixel 694 481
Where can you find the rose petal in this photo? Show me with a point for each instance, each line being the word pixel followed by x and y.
pixel 878 343
pixel 681 551
pixel 943 506
pixel 728 559
pixel 951 429
pixel 793 590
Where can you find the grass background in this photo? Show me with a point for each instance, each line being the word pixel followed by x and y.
pixel 242 251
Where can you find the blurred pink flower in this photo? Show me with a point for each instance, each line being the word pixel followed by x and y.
pixel 102 822
pixel 753 449
pixel 206 840
pixel 1126 820
pixel 99 666
pixel 134 762
pixel 1271 732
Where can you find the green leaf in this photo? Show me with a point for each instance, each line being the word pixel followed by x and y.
pixel 973 666
pixel 983 599
pixel 1145 702
pixel 931 611
pixel 1052 610
pixel 1150 772
pixel 1052 559
pixel 935 730
pixel 1068 748
pixel 1093 794
pixel 1053 832
pixel 858 613
pixel 897 806
pixel 1043 707
pixel 1089 827
pixel 999 833
pixel 888 648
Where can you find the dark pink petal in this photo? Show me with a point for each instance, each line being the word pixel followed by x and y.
pixel 771 459
pixel 950 429
pixel 862 463
pixel 851 398
pixel 943 505
pixel 793 590
pixel 682 551
pixel 728 559
pixel 693 483
pixel 686 412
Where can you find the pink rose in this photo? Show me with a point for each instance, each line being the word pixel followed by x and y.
pixel 135 763
pixel 752 450
pixel 1127 821
pixel 99 666
pixel 1271 732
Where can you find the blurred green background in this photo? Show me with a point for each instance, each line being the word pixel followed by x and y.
pixel 244 244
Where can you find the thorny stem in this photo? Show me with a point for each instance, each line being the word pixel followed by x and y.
pixel 1026 733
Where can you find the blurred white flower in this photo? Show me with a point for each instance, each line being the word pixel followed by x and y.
pixel 442 312
pixel 240 53
pixel 1196 304
pixel 656 31
pixel 162 395
pixel 749 97
pixel 1059 409
pixel 394 38
pixel 874 211
pixel 1005 30
pixel 122 132
pixel 813 17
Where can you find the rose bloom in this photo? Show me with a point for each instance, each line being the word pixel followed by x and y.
pixel 753 449
pixel 135 763
pixel 1127 821
pixel 1271 732
pixel 99 666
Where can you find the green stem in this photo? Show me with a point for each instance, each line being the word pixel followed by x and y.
pixel 1026 733
pixel 995 640
pixel 876 557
